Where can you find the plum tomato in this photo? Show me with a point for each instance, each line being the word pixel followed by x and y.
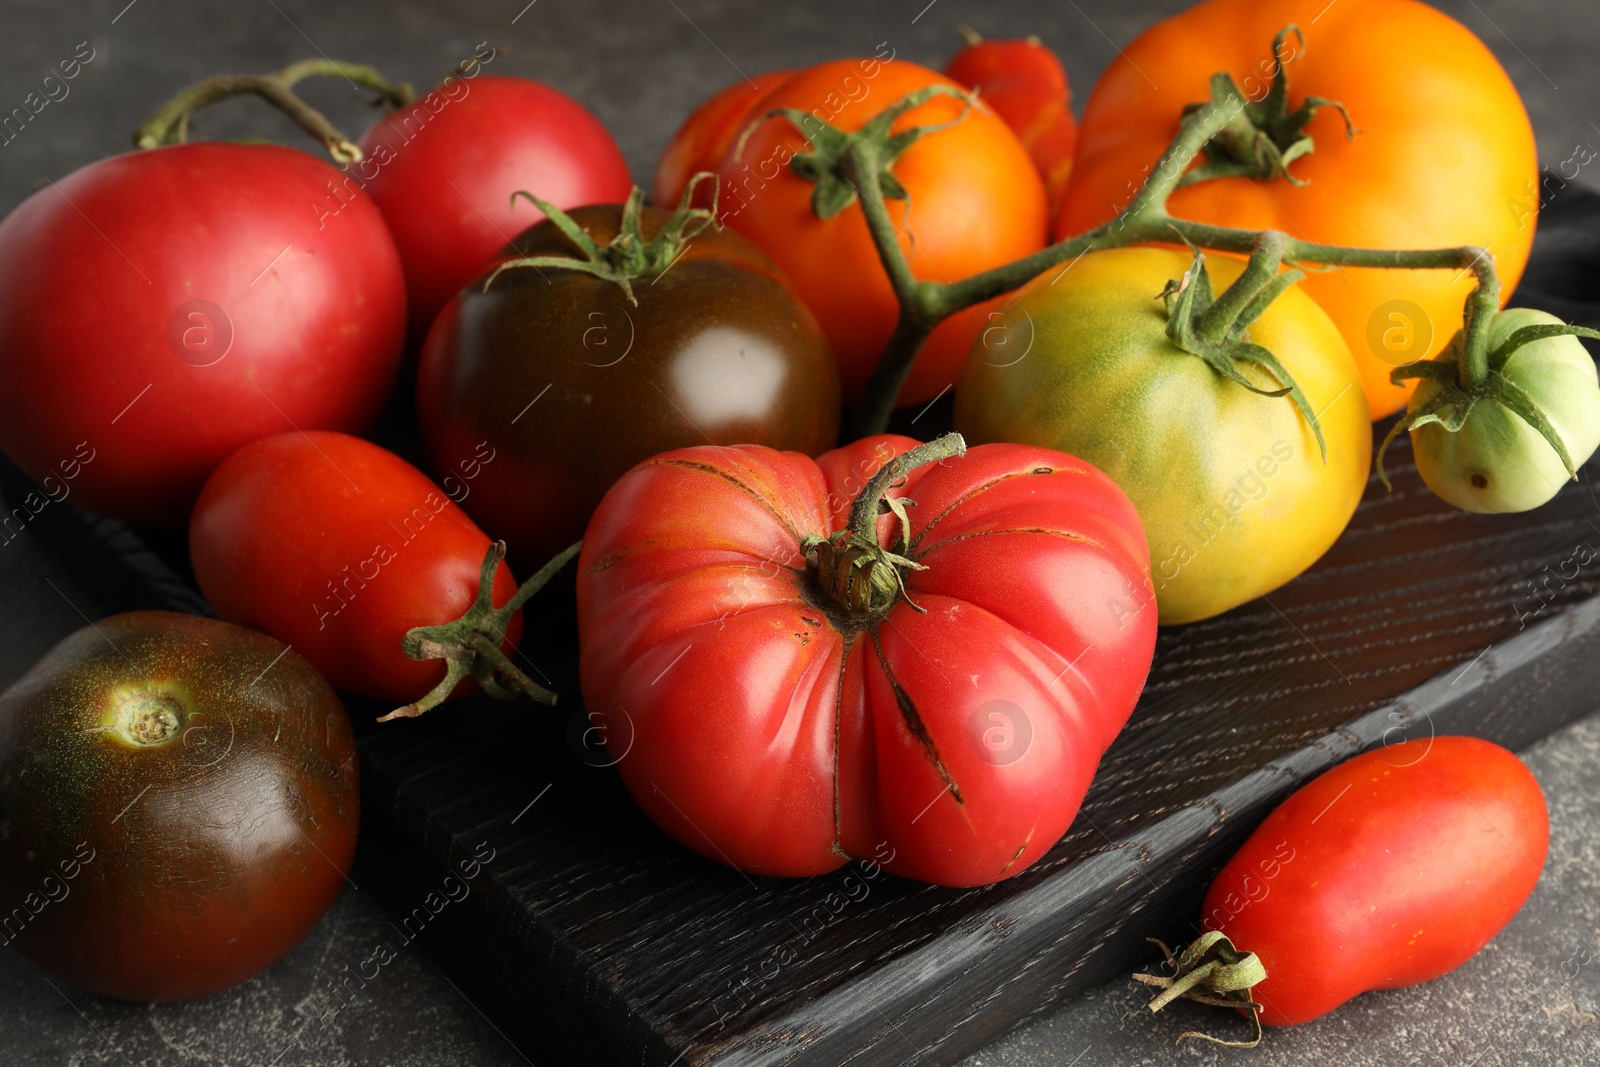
pixel 178 805
pixel 341 548
pixel 161 308
pixel 571 383
pixel 443 170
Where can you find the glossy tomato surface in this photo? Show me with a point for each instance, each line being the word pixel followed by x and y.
pixel 338 547
pixel 707 134
pixel 442 171
pixel 1393 868
pixel 1232 486
pixel 1444 156
pixel 759 726
pixel 179 797
pixel 161 308
pixel 571 384
pixel 975 202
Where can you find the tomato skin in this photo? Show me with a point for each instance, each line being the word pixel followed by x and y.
pixel 1496 462
pixel 706 135
pixel 338 547
pixel 1445 156
pixel 172 870
pixel 1393 868
pixel 1027 87
pixel 780 746
pixel 573 385
pixel 976 202
pixel 1231 485
pixel 316 309
pixel 443 171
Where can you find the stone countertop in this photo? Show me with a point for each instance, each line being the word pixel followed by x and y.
pixel 1530 998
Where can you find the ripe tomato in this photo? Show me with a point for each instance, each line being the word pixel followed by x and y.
pixel 1496 462
pixel 1234 492
pixel 707 134
pixel 572 385
pixel 975 202
pixel 179 802
pixel 1444 155
pixel 442 171
pixel 955 728
pixel 210 307
pixel 1027 86
pixel 340 547
pixel 1393 868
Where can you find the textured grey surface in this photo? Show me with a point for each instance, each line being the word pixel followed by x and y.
pixel 1530 998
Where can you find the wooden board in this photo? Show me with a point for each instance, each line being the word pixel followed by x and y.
pixel 589 937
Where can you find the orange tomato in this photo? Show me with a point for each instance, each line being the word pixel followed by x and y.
pixel 1444 155
pixel 706 135
pixel 975 202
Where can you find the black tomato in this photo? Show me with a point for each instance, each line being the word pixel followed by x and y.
pixel 567 384
pixel 178 805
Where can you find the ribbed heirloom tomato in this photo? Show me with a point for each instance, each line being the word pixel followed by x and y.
pixel 778 700
pixel 1443 155
pixel 975 201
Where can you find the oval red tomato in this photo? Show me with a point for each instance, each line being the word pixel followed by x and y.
pixel 1393 868
pixel 161 308
pixel 706 135
pixel 339 547
pixel 759 722
pixel 179 803
pixel 442 171
pixel 976 202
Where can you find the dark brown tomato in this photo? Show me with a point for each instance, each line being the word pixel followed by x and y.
pixel 572 385
pixel 178 805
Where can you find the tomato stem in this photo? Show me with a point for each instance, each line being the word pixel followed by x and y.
pixel 470 646
pixel 1210 971
pixel 170 124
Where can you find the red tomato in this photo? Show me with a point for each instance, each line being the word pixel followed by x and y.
pixel 706 135
pixel 788 734
pixel 443 170
pixel 338 547
pixel 976 202
pixel 1027 86
pixel 161 308
pixel 1393 868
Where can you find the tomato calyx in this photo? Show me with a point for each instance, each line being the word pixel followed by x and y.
pixel 859 578
pixel 1460 388
pixel 837 159
pixel 629 256
pixel 1216 328
pixel 471 644
pixel 170 124
pixel 1262 139
pixel 1210 971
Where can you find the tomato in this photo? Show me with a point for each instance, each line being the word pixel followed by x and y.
pixel 179 797
pixel 975 202
pixel 808 712
pixel 1027 87
pixel 1393 868
pixel 1497 462
pixel 707 134
pixel 339 547
pixel 442 171
pixel 208 305
pixel 571 384
pixel 1444 155
pixel 1234 492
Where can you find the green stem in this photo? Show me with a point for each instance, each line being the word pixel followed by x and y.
pixel 170 124
pixel 869 505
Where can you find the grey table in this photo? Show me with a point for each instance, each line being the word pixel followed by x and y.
pixel 1530 998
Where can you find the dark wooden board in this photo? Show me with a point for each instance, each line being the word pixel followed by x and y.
pixel 590 937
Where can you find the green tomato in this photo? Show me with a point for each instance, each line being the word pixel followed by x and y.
pixel 1496 462
pixel 1231 485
